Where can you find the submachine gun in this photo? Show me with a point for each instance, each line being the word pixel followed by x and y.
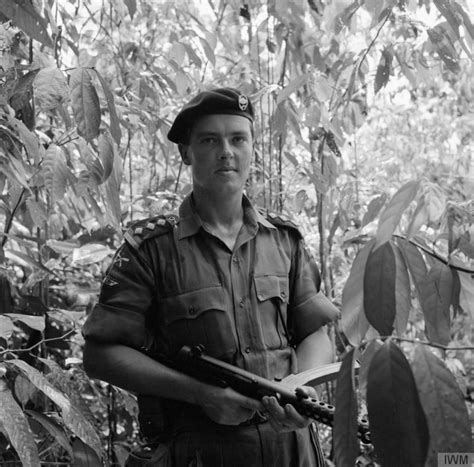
pixel 194 362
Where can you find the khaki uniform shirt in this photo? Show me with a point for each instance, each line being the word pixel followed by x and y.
pixel 172 284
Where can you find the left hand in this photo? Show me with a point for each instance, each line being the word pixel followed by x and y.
pixel 286 418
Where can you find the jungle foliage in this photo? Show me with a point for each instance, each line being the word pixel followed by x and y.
pixel 364 137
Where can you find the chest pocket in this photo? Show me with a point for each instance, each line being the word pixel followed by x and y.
pixel 198 317
pixel 272 294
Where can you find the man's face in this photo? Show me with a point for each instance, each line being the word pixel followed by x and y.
pixel 219 152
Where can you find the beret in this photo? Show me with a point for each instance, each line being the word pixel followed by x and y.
pixel 215 101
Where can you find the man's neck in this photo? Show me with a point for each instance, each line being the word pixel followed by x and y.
pixel 216 210
pixel 221 215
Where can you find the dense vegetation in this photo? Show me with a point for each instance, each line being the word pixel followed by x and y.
pixel 364 137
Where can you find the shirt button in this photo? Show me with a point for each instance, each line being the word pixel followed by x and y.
pixel 247 349
pixel 283 294
pixel 235 259
pixel 241 303
pixel 192 310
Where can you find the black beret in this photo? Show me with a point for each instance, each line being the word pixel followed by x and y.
pixel 216 101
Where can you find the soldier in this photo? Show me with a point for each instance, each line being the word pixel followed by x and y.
pixel 223 275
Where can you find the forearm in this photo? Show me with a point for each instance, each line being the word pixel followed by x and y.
pixel 131 370
pixel 315 350
pixel 136 372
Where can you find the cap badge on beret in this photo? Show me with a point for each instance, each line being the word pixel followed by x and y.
pixel 243 102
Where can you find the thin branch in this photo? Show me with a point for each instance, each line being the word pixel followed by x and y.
pixel 42 341
pixel 379 30
pixel 178 177
pixel 436 255
pixel 10 219
pixel 431 344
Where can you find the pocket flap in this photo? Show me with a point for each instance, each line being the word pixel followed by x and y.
pixel 190 305
pixel 272 286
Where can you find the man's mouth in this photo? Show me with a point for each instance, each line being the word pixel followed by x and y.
pixel 226 169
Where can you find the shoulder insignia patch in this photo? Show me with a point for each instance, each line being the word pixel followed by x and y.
pixel 152 227
pixel 280 221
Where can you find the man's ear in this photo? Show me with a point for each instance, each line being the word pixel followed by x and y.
pixel 184 151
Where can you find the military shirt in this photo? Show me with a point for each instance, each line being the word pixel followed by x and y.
pixel 172 283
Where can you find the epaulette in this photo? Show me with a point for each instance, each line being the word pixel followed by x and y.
pixel 280 221
pixel 148 228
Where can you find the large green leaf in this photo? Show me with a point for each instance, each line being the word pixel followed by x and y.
pixel 402 292
pixel 466 20
pixel 346 444
pixel 6 327
pixel 466 294
pixel 292 86
pixel 414 259
pixel 391 215
pixel 28 139
pixel 23 390
pixel 24 15
pixel 445 7
pixel 55 172
pixel 37 212
pixel 365 360
pixel 16 426
pixel 379 288
pixel 443 404
pixel 436 292
pixel 373 209
pixel 72 418
pixel 91 253
pixel 106 153
pixel 8 168
pixel 84 456
pixel 354 324
pixel 112 194
pixel 50 89
pixel 114 120
pixel 208 49
pixel 132 7
pixel 6 298
pixel 85 103
pixel 53 428
pixel 24 260
pixel 23 90
pixel 384 69
pixel 441 40
pixel 61 379
pixel 398 424
pixel 33 322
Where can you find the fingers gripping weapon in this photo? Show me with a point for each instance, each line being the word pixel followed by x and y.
pixel 194 362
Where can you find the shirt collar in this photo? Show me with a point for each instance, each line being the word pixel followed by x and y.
pixel 190 222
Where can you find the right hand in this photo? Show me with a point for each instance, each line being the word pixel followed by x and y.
pixel 226 406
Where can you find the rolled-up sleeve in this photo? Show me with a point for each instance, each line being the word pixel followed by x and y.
pixel 125 297
pixel 310 309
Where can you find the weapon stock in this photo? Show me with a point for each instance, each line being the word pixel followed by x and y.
pixel 194 362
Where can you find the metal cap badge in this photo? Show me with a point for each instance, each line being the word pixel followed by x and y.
pixel 243 102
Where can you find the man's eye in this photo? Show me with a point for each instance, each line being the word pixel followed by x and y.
pixel 209 140
pixel 238 139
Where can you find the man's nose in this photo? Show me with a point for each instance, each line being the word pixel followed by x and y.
pixel 226 150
